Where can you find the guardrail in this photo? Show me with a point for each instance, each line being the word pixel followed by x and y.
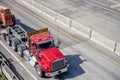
pixel 5 69
pixel 73 25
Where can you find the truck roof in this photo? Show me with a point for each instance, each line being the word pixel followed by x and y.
pixel 40 37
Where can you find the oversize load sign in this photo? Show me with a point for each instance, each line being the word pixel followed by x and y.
pixel 37 32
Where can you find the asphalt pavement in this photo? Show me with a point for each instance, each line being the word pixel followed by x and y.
pixel 102 16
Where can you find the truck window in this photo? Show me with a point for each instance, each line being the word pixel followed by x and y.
pixel 46 45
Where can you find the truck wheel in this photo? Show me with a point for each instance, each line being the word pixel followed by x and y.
pixel 20 51
pixel 8 40
pixel 4 36
pixel 14 20
pixel 39 70
pixel 13 45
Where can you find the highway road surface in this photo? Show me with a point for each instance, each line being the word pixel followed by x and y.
pixel 102 16
pixel 86 63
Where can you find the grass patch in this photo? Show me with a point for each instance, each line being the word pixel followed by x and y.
pixel 3 77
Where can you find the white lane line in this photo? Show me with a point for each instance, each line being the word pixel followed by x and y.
pixel 111 23
pixel 115 6
pixel 18 61
pixel 102 19
pixel 103 7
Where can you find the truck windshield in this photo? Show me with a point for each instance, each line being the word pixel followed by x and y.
pixel 46 44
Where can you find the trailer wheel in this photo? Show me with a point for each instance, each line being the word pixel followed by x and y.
pixel 13 45
pixel 20 51
pixel 39 70
pixel 8 40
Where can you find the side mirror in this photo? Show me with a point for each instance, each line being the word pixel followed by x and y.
pixel 38 55
pixel 58 43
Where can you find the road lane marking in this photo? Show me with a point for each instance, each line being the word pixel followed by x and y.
pixel 18 61
pixel 67 34
pixel 115 6
pixel 103 6
pixel 111 23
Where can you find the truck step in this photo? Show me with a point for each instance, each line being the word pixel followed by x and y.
pixel 32 61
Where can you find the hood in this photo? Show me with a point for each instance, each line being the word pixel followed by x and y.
pixel 52 53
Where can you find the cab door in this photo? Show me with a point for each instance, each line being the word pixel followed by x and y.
pixel 33 49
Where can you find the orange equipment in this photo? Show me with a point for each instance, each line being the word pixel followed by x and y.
pixel 6 17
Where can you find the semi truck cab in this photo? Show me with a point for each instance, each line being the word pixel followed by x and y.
pixel 49 60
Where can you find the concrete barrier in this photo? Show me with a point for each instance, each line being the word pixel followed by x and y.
pixel 75 26
pixel 118 49
pixel 37 6
pixel 81 29
pixel 23 2
pixel 63 20
pixel 19 1
pixel 6 73
pixel 50 13
pixel 103 41
pixel 28 1
pixel 40 8
pixel 34 5
pixel 4 68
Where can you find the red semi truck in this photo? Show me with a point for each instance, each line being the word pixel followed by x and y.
pixel 38 48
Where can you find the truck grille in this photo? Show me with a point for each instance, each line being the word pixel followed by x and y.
pixel 58 64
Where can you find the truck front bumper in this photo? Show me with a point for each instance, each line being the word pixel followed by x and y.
pixel 51 74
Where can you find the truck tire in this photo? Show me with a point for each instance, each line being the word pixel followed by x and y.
pixel 14 20
pixel 8 40
pixel 20 51
pixel 4 36
pixel 14 46
pixel 39 71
